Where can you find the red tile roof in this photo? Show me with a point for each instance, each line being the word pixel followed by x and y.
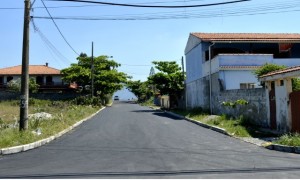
pixel 290 69
pixel 264 37
pixel 33 70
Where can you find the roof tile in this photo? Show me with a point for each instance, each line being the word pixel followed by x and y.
pixel 279 37
pixel 33 70
pixel 290 69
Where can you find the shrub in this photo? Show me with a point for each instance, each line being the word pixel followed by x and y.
pixel 87 100
pixel 289 140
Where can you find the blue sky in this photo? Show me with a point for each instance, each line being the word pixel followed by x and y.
pixel 133 43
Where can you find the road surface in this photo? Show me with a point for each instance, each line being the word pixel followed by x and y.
pixel 131 141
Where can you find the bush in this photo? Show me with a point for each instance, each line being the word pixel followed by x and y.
pixel 289 140
pixel 15 85
pixel 87 100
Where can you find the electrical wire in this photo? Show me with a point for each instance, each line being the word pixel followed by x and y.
pixel 94 5
pixel 153 6
pixel 249 10
pixel 58 28
pixel 52 49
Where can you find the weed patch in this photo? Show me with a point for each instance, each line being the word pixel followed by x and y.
pixel 63 115
pixel 289 140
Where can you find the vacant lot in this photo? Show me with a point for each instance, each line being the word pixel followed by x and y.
pixel 54 116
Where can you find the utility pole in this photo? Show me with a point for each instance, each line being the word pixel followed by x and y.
pixel 92 69
pixel 25 75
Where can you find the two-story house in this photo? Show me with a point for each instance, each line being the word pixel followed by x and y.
pixel 49 79
pixel 225 61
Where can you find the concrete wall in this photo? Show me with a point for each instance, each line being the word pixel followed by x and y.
pixel 198 93
pixel 283 106
pixel 256 111
pixel 194 64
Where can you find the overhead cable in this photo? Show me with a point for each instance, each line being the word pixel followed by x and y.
pixel 48 44
pixel 58 28
pixel 153 6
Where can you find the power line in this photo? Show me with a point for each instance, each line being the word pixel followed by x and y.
pixel 80 6
pixel 184 16
pixel 52 49
pixel 58 28
pixel 153 6
pixel 229 11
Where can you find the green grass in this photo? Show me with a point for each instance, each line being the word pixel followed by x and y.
pixel 149 102
pixel 237 127
pixel 289 140
pixel 64 115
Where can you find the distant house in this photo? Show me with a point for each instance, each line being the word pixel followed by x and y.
pixel 49 79
pixel 217 62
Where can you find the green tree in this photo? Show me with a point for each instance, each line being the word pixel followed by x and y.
pixel 169 80
pixel 140 89
pixel 107 79
pixel 266 68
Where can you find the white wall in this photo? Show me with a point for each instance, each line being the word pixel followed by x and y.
pixel 283 117
pixel 232 79
pixel 194 64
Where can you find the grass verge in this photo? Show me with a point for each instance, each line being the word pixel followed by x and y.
pixel 64 114
pixel 239 127
pixel 292 139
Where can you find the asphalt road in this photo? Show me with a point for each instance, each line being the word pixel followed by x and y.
pixel 130 141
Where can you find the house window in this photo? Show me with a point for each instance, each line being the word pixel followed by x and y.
pixel 1 80
pixel 39 80
pixel 247 85
pixel 281 83
pixel 9 78
pixel 49 80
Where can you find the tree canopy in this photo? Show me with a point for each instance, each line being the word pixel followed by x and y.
pixel 107 79
pixel 169 80
pixel 266 68
pixel 140 89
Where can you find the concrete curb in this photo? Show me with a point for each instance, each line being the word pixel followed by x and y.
pixel 276 147
pixel 214 128
pixel 26 147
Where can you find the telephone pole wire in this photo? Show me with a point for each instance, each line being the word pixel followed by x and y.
pixel 25 75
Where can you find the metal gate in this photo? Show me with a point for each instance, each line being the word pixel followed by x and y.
pixel 295 108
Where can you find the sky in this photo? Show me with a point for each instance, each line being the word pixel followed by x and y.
pixel 134 37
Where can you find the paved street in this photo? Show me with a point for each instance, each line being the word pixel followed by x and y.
pixel 130 141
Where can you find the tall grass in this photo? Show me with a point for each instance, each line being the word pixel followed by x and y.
pixel 64 114
pixel 239 127
pixel 289 139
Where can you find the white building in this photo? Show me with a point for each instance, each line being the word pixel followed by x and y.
pixel 225 61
